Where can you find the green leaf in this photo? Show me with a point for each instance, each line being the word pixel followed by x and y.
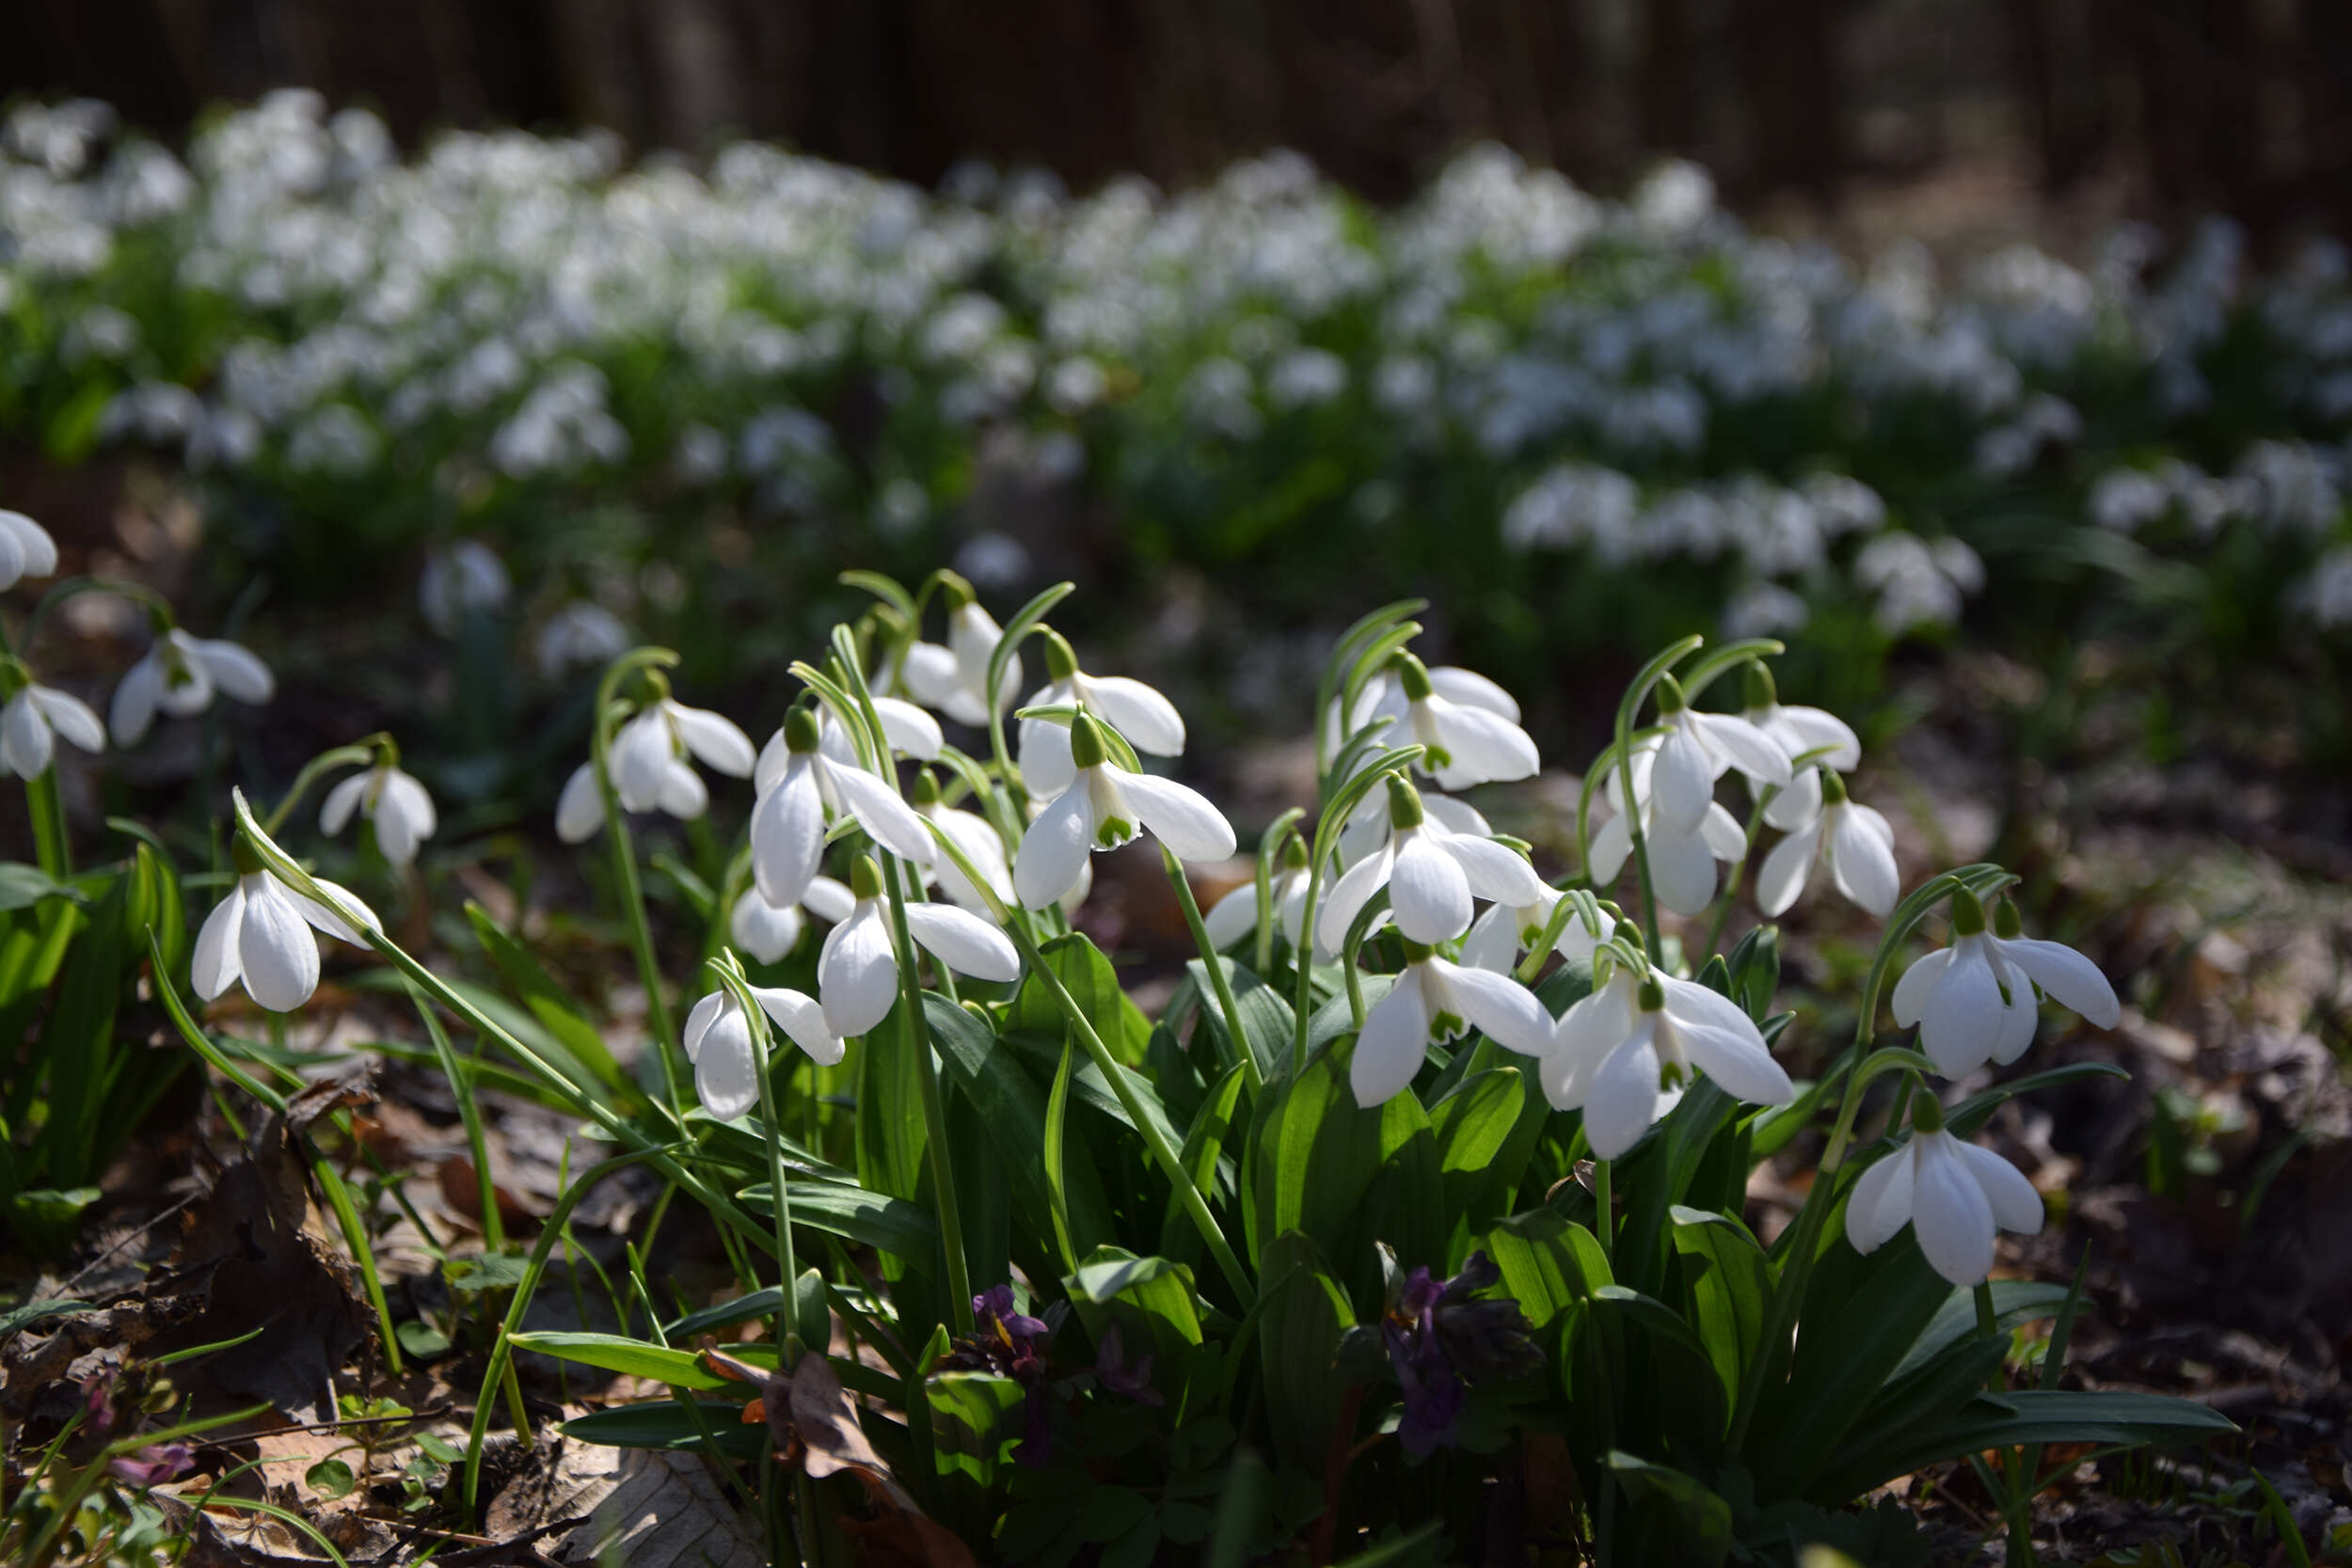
pixel 1158 1288
pixel 1202 1156
pixel 974 1416
pixel 1660 1175
pixel 557 1013
pixel 1266 1019
pixel 486 1271
pixel 1681 1389
pixel 2014 1301
pixel 422 1339
pixel 1304 1312
pixel 2032 1416
pixel 613 1353
pixel 1699 1518
pixel 330 1478
pixel 1471 1129
pixel 1013 1111
pixel 668 1424
pixel 1963 1119
pixel 1549 1262
pixel 1729 1283
pixel 1094 985
pixel 35 1311
pixel 897 1226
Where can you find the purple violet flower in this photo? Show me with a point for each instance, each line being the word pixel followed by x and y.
pixel 1441 1341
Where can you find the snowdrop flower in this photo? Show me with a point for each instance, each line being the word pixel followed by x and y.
pixel 1698 749
pixel 811 789
pixel 1808 736
pixel 1499 937
pixel 260 934
pixel 1104 807
pixel 1433 1001
pixel 1431 875
pixel 393 800
pixel 1383 697
pixel 718 1041
pixel 978 842
pixel 1681 864
pixel 769 932
pixel 857 973
pixel 1953 1194
pixel 647 759
pixel 463 579
pixel 1149 721
pixel 954 680
pixel 32 722
pixel 1468 743
pixel 1974 1001
pixel 908 729
pixel 1235 916
pixel 177 677
pixel 1368 827
pixel 1855 842
pixel 1624 1053
pixel 26 549
pixel 582 633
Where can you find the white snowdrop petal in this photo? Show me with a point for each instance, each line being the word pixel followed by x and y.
pixel 1880 1204
pixel 929 672
pixel 726 1074
pixel 1682 869
pixel 1231 917
pixel 698 1021
pixel 857 973
pixel 802 1019
pixel 1455 816
pixel 1613 841
pixel 135 698
pixel 1873 821
pixel 71 717
pixel 1747 748
pixel 1798 804
pixel 1484 747
pixel 889 820
pixel 765 930
pixel 1493 942
pixel 682 792
pixel 909 729
pixel 1393 1044
pixel 713 737
pixel 1149 720
pixel 35 553
pixel 395 831
pixel 1349 894
pixel 404 791
pixel 235 669
pixel 1427 893
pixel 1704 1004
pixel 1047 767
pixel 1737 1062
pixel 1814 728
pixel 788 836
pixel 964 942
pixel 342 800
pixel 215 964
pixel 1501 1008
pixel 25 742
pixel 1492 871
pixel 1725 839
pixel 827 899
pixel 1950 1212
pixel 1181 819
pixel 1622 1100
pixel 330 918
pixel 2016 1205
pixel 2071 980
pixel 1961 1018
pixel 1682 782
pixel 281 956
pixel 1053 852
pixel 1468 688
pixel 580 810
pixel 1862 865
pixel 1917 984
pixel 2021 1019
pixel 1787 869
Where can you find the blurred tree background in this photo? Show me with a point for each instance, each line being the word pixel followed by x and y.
pixel 2157 107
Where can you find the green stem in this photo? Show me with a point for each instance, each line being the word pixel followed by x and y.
pixel 1605 1210
pixel 318 767
pixel 1214 965
pixel 625 866
pixel 355 1235
pixel 468 1112
pixel 788 1325
pixel 46 807
pixel 917 1035
pixel 1731 887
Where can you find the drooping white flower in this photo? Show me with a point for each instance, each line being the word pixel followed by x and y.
pixel 26 549
pixel 769 932
pixel 261 935
pixel 977 843
pixel 1149 721
pixel 177 677
pixel 1681 864
pixel 1468 743
pixel 1433 1001
pixel 1812 738
pixel 1104 807
pixel 909 730
pixel 465 578
pixel 582 633
pixel 857 973
pixel 1499 937
pixel 810 790
pixel 393 800
pixel 1953 1194
pixel 1697 750
pixel 1624 1053
pixel 1852 839
pixel 650 771
pixel 954 680
pixel 1974 1001
pixel 718 1041
pixel 1235 916
pixel 1432 876
pixel 33 722
pixel 1383 697
pixel 1368 827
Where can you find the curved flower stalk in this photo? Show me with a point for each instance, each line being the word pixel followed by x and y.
pixel 26 549
pixel 857 971
pixel 177 677
pixel 1698 749
pixel 1498 938
pixel 1104 807
pixel 1624 1054
pixel 1681 864
pixel 789 820
pixel 720 1043
pixel 1368 827
pixel 954 678
pixel 261 935
pixel 1807 736
pixel 1148 720
pixel 1466 743
pixel 1974 1001
pixel 1235 916
pixel 769 932
pixel 1432 875
pixel 651 770
pixel 1853 840
pixel 393 800
pixel 36 719
pixel 1953 1194
pixel 1435 1000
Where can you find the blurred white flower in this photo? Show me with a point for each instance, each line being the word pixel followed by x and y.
pixel 33 722
pixel 1954 1195
pixel 582 633
pixel 769 932
pixel 465 578
pixel 177 675
pixel 649 767
pixel 393 800
pixel 26 549
pixel 1104 807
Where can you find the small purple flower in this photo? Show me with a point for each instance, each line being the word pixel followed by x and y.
pixel 1441 1341
pixel 98 1397
pixel 1113 1372
pixel 1009 1343
pixel 154 1464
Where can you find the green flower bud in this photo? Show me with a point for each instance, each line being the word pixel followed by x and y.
pixel 1927 1112
pixel 1294 853
pixel 1652 995
pixel 1833 788
pixel 800 731
pixel 1968 914
pixel 953 588
pixel 1088 748
pixel 1670 698
pixel 1413 676
pixel 865 879
pixel 1761 692
pixel 1405 808
pixel 926 788
pixel 243 855
pixel 1062 662
pixel 2006 923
